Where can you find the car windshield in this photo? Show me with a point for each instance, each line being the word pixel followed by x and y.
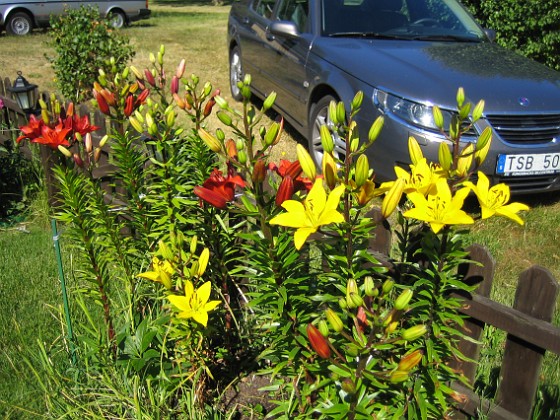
pixel 430 20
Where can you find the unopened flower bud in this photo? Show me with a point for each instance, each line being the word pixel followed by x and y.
pixel 361 171
pixel 326 139
pixel 398 376
pixel 224 117
pixel 402 301
pixel 137 73
pixel 136 124
pixel 392 198
pixel 306 162
pixel 259 171
pixel 438 117
pixel 174 85
pixel 318 342
pixel 342 303
pixel 323 328
pixel 78 160
pixel 231 149
pixel 340 113
pixel 354 300
pixel 375 129
pixel 460 96
pixel 414 150
pixel 477 111
pixel 332 113
pixel 271 134
pixel 65 151
pixel 444 156
pixel 104 140
pixel 392 327
pixel 269 101
pixel 369 286
pixel 413 333
pixel 348 386
pixel 387 286
pixel 180 69
pixel 351 286
pixel 88 143
pixel 334 320
pixel 96 154
pixel 242 156
pixel 410 361
pixel 357 100
pixel 210 141
pixel 220 135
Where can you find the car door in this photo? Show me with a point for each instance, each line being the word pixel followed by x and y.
pixel 286 58
pixel 254 43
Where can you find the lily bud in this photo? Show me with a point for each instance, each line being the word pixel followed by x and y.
pixel 444 156
pixel 387 286
pixel 136 124
pixel 65 151
pixel 285 190
pixel 414 333
pixel 78 160
pixel 334 320
pixel 103 140
pixel 318 342
pixel 342 303
pixel 483 146
pixel 129 105
pixel 326 139
pixel 414 150
pixel 210 141
pixel 192 245
pixel 242 157
pixel 357 101
pixel 402 301
pixel 152 58
pixel 307 164
pixel 392 198
pixel 170 118
pixel 340 113
pixel 354 300
pixel 465 160
pixel 174 85
pixel 137 73
pixel 323 328
pixel 203 261
pixel 375 129
pixel 369 286
pixel 391 328
pixel 351 286
pixel 96 154
pixel 269 101
pixel 271 134
pixel 332 112
pixel 329 171
pixel 150 77
pixel 460 96
pixel 259 172
pixel 225 118
pixel 362 170
pixel 88 143
pixel 180 69
pixel 410 361
pixel 464 111
pixel 398 376
pixel 231 149
pixel 101 103
pixel 478 110
pixel 438 117
pixel 348 386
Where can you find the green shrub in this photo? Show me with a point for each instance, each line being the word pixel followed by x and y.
pixel 529 27
pixel 85 43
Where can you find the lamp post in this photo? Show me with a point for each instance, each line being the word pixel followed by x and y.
pixel 24 93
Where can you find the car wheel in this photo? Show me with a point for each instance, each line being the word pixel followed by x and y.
pixel 235 73
pixel 117 19
pixel 19 23
pixel 319 116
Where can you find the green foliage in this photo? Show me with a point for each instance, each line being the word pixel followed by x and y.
pixel 83 44
pixel 529 27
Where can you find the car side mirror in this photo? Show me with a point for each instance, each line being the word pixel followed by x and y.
pixel 490 34
pixel 284 28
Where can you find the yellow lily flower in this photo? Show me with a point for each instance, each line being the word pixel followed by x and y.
pixel 317 210
pixel 441 208
pixel 422 177
pixel 195 303
pixel 494 200
pixel 161 272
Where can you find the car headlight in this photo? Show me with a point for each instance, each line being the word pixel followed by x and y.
pixel 414 113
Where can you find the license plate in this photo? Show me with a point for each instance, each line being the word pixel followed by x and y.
pixel 530 164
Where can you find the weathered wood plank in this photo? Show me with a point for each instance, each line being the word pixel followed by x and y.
pixel 482 408
pixel 535 296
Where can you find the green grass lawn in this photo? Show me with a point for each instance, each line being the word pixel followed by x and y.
pixel 29 284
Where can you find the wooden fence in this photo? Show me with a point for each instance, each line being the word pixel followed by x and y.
pixel 528 324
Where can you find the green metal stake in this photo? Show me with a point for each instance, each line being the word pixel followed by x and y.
pixel 64 294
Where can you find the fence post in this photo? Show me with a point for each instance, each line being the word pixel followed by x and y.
pixel 535 296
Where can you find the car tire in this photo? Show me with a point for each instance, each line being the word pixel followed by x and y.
pixel 318 116
pixel 235 73
pixel 117 19
pixel 20 23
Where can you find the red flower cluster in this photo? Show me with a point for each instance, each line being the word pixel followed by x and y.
pixel 58 133
pixel 218 190
pixel 292 182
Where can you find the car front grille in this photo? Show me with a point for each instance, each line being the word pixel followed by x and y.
pixel 527 129
pixel 530 184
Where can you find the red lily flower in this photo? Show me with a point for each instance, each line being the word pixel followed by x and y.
pixel 32 130
pixel 218 190
pixel 292 181
pixel 79 124
pixel 53 137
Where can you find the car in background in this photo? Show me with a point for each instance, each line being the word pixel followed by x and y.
pixel 19 17
pixel 405 56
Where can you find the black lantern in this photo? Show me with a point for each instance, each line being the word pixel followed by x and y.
pixel 24 93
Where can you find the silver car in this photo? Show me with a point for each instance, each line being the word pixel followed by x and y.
pixel 19 17
pixel 406 56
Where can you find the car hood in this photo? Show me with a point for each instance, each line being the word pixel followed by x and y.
pixel 432 71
